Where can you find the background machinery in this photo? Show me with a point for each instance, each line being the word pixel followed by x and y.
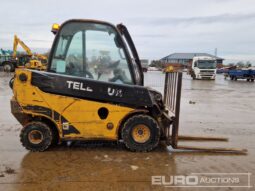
pixel 28 60
pixel 82 97
pixel 247 74
pixel 5 55
pixel 203 67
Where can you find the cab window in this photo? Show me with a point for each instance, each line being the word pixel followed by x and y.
pixel 92 51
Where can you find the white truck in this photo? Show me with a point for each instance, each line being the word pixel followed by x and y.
pixel 203 67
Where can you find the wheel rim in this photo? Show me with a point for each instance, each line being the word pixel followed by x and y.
pixel 141 133
pixel 7 68
pixel 35 136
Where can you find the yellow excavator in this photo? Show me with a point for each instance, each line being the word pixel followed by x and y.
pixel 37 61
pixel 17 42
pixel 28 60
pixel 88 95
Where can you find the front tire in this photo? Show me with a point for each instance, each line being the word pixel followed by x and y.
pixel 36 136
pixel 141 133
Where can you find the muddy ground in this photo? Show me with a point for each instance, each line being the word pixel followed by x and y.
pixel 214 108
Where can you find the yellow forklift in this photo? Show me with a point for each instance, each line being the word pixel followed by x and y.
pixel 93 89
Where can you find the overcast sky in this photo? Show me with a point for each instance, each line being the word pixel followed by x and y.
pixel 158 27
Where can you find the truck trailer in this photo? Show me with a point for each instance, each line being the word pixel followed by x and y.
pixel 245 73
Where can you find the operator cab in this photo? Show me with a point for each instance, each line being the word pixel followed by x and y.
pixel 95 50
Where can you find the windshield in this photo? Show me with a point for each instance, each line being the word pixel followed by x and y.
pixel 206 64
pixel 91 50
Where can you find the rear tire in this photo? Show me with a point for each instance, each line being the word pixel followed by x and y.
pixel 36 136
pixel 141 133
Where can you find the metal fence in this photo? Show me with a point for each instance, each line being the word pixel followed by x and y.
pixel 172 99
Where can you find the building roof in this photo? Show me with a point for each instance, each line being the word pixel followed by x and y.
pixel 188 56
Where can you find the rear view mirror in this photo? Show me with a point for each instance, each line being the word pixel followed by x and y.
pixel 118 42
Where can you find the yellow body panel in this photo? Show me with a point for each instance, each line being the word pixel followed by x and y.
pixel 80 113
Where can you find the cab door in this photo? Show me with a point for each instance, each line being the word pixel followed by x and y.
pixel 91 53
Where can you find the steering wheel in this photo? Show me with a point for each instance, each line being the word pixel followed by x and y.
pixel 88 74
pixel 73 70
pixel 119 74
